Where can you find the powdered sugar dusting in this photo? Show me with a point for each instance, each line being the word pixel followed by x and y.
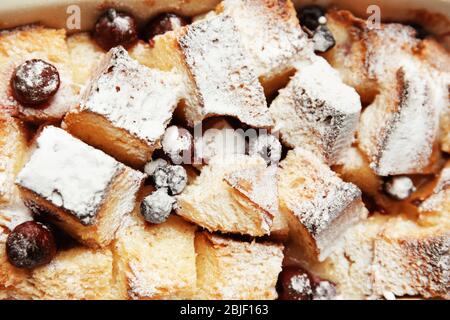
pixel 131 96
pixel 69 174
pixel 301 284
pixel 398 130
pixel 317 110
pixel 258 184
pixel 440 198
pixel 270 33
pixel 321 196
pixel 222 72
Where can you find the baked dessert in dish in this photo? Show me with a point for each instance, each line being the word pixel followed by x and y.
pixel 251 149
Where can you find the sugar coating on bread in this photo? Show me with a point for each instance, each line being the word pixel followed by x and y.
pixel 157 261
pixel 231 269
pixel 439 200
pixel 69 173
pixel 125 93
pixel 320 206
pixel 225 82
pixel 390 255
pixel 316 110
pixel 129 99
pixel 270 32
pixel 254 183
pixel 36 42
pixel 398 130
pixel 85 191
pixel 215 204
pixel 410 259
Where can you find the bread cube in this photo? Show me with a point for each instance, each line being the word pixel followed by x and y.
pixel 317 111
pixel 254 184
pixel 350 265
pixel 318 205
pixel 412 260
pixel 157 261
pixel 439 200
pixel 86 191
pixel 85 55
pixel 348 56
pixel 272 36
pixel 398 130
pixel 36 42
pixel 219 77
pixel 235 194
pixel 13 154
pixel 125 108
pixel 13 151
pixel 74 274
pixel 229 269
pixel 389 255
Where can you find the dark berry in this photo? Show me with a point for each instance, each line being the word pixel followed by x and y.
pixel 309 16
pixel 163 23
pixel 399 187
pixel 323 39
pixel 153 165
pixel 177 144
pixel 295 283
pixel 161 176
pixel 172 177
pixel 177 179
pixel 115 28
pixel 30 244
pixel 35 82
pixel 268 147
pixel 156 207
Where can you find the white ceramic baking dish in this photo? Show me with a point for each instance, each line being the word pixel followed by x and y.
pixel 433 14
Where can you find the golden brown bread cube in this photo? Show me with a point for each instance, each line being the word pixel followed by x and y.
pixel 125 108
pixel 85 55
pixel 36 42
pixel 232 269
pixel 317 111
pixel 318 205
pixel 412 260
pixel 272 37
pixel 390 255
pixel 348 56
pixel 156 261
pixel 218 75
pixel 13 151
pixel 74 274
pixel 236 194
pixel 398 130
pixel 13 154
pixel 85 191
pixel 439 200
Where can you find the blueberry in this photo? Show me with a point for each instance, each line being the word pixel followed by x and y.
pixel 177 179
pixel 156 207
